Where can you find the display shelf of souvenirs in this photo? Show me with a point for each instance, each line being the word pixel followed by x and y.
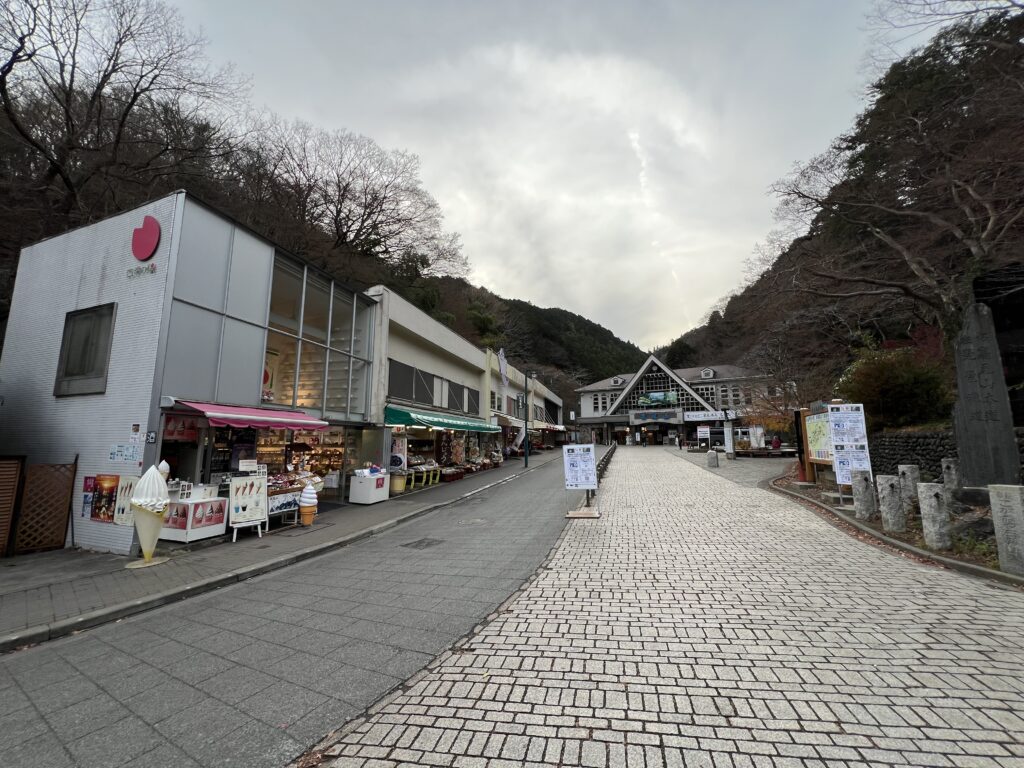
pixel 450 474
pixel 289 482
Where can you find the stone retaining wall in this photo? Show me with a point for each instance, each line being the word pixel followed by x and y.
pixel 926 449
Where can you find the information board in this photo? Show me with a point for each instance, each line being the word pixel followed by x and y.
pixel 819 444
pixel 848 433
pixel 580 464
pixel 248 500
pixel 703 432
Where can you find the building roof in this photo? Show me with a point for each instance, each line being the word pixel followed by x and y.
pixel 689 375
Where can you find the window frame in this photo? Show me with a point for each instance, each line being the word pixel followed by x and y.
pixel 75 386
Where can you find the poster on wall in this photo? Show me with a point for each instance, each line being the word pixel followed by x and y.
pixel 657 399
pixel 247 500
pixel 104 498
pixel 123 514
pixel 399 446
pixel 88 489
pixel 849 436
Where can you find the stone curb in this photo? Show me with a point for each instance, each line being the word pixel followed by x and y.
pixel 970 569
pixel 63 627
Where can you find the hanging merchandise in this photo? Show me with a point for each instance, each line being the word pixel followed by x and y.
pixel 459 448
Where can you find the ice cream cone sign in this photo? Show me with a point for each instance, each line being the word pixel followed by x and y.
pixel 149 503
pixel 307 504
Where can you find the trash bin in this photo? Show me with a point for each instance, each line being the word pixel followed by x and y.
pixel 397 484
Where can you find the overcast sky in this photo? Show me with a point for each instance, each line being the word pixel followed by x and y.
pixel 610 158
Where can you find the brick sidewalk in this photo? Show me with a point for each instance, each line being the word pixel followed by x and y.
pixel 55 593
pixel 703 623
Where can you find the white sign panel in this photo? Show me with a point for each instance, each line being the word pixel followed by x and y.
pixel 704 432
pixel 248 500
pixel 848 434
pixel 580 464
pixel 708 415
pixel 123 513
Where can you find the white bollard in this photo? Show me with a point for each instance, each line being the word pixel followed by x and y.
pixel 863 494
pixel 935 516
pixel 713 459
pixel 890 504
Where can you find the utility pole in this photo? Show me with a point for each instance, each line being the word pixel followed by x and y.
pixel 526 423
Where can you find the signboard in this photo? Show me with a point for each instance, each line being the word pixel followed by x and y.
pixel 849 436
pixel 247 465
pixel 580 464
pixel 704 432
pixel 248 500
pixel 819 446
pixel 708 415
pixel 670 416
pixel 503 366
pixel 657 398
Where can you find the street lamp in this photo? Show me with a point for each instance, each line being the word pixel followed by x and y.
pixel 526 423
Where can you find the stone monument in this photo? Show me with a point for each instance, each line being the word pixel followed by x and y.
pixel 890 502
pixel 982 418
pixel 935 516
pixel 1008 519
pixel 951 475
pixel 863 494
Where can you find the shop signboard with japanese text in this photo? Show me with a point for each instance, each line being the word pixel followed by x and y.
pixel 580 464
pixel 849 437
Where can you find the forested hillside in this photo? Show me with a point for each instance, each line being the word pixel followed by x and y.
pixel 900 223
pixel 105 106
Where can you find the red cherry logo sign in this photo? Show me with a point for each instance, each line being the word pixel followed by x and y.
pixel 145 239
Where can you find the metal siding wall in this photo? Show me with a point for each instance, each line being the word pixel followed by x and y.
pixel 241 364
pixel 252 265
pixel 202 273
pixel 193 349
pixel 77 270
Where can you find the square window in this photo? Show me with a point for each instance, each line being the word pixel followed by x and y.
pixel 85 351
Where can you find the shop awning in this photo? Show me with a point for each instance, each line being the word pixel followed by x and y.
pixel 553 427
pixel 509 421
pixel 404 417
pixel 259 418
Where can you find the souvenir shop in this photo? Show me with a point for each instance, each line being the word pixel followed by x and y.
pixel 429 448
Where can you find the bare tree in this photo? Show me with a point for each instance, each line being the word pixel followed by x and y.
pixel 104 92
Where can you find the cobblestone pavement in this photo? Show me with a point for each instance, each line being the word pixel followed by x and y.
pixel 253 674
pixel 744 471
pixel 703 623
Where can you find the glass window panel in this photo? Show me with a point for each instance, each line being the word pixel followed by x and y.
pixel 279 369
pixel 337 383
pixel 341 321
pixel 364 329
pixel 314 314
pixel 357 398
pixel 85 351
pixel 311 376
pixel 285 295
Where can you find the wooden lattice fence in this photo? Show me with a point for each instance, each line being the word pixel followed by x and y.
pixel 11 469
pixel 45 507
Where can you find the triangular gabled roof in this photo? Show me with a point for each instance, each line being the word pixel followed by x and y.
pixel 652 361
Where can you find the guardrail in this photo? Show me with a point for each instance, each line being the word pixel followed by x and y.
pixel 602 467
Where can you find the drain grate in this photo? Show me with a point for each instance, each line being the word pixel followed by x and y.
pixel 423 543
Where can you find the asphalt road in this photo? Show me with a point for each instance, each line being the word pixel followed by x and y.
pixel 255 673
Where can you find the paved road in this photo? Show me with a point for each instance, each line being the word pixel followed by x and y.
pixel 253 674
pixel 701 622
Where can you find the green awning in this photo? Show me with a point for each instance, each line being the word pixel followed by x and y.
pixel 396 416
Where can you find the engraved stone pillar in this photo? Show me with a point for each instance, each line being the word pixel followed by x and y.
pixel 863 494
pixel 982 418
pixel 713 459
pixel 934 516
pixel 894 520
pixel 910 476
pixel 951 475
pixel 1008 519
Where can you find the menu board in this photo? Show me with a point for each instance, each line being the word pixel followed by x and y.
pixel 580 464
pixel 247 500
pixel 849 436
pixel 203 514
pixel 123 514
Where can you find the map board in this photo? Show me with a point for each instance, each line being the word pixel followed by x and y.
pixel 580 464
